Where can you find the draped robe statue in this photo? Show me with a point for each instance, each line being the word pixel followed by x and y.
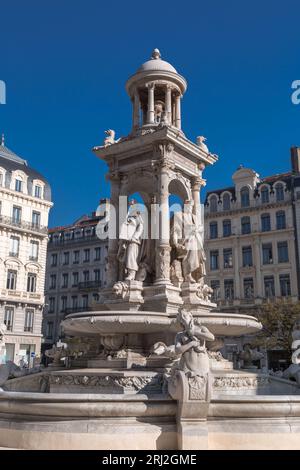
pixel 130 244
pixel 187 242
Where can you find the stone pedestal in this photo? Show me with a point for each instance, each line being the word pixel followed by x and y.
pixel 193 300
pixel 124 295
pixel 192 393
pixel 162 298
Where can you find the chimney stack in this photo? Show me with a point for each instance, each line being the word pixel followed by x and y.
pixel 295 159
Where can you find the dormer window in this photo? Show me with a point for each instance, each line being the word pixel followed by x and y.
pixel 213 204
pixel 18 185
pixel 279 192
pixel 1 179
pixel 245 197
pixel 265 195
pixel 37 191
pixel 226 202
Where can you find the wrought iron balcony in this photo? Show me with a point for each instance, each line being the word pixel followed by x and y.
pixel 14 222
pixel 89 285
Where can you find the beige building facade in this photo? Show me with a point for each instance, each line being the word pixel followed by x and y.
pixel 252 239
pixel 25 201
pixel 75 273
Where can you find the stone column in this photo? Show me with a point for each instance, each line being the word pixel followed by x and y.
pixel 163 243
pixel 112 273
pixel 150 114
pixel 177 112
pixel 168 101
pixel 136 110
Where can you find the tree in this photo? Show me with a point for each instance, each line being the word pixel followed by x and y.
pixel 278 320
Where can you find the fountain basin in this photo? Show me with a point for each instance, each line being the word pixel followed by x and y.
pixel 146 322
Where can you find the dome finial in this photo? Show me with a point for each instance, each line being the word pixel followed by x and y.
pixel 2 140
pixel 156 54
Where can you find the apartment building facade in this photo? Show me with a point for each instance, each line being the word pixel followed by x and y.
pixel 25 201
pixel 75 273
pixel 252 239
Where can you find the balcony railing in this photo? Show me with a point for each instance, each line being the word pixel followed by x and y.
pixel 89 285
pixel 72 241
pixel 5 220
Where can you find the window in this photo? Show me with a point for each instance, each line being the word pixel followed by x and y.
pixel 269 287
pixel 54 259
pixel 84 301
pixel 248 288
pixel 213 202
pixel 31 282
pixel 66 257
pixel 97 275
pixel 226 202
pixel 264 195
pixel 33 250
pixel 280 220
pixel 247 256
pixel 245 197
pixel 11 282
pixel 283 253
pixel 215 285
pixel 64 300
pixel 97 253
pixel 52 281
pixel 16 215
pixel 75 279
pixel 1 179
pixel 86 276
pixel 36 219
pixel 18 185
pixel 285 285
pixel 74 302
pixel 76 257
pixel 246 225
pixel 265 223
pixel 38 191
pixel 226 228
pixel 228 289
pixel 279 192
pixel 14 246
pixel 214 260
pixel 227 255
pixel 267 253
pixel 9 318
pixel 96 297
pixel 49 330
pixel 86 255
pixel 29 317
pixel 51 304
pixel 65 280
pixel 213 230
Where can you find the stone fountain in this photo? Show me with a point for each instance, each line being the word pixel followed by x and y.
pixel 145 369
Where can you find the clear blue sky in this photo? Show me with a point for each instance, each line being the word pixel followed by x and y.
pixel 65 63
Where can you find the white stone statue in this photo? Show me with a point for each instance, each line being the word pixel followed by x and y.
pixel 130 244
pixel 248 355
pixel 293 371
pixel 191 345
pixel 187 242
pixel 110 138
pixel 200 142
